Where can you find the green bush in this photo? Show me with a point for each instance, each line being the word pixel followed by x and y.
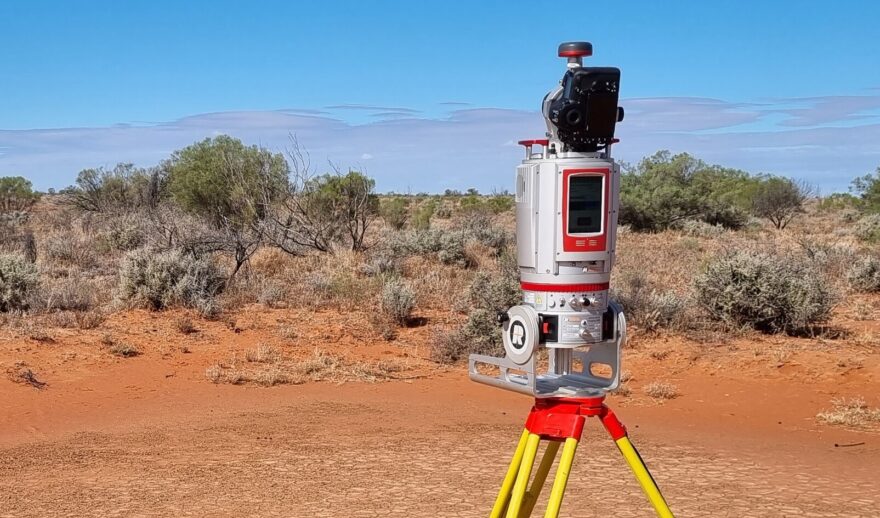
pixel 664 189
pixel 226 181
pixel 395 212
pixel 768 292
pixel 864 274
pixel 160 279
pixel 421 220
pixel 16 194
pixel 699 228
pixel 121 189
pixel 18 281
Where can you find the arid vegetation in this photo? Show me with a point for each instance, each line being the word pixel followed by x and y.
pixel 221 226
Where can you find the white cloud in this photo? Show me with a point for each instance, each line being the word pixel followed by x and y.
pixel 827 141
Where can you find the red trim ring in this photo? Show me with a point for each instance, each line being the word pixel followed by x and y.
pixel 564 288
pixel 575 53
pixel 540 141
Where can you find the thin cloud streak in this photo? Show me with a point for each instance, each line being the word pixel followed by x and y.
pixel 825 141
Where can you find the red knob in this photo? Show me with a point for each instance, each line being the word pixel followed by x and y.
pixel 575 49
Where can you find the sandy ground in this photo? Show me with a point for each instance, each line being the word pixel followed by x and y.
pixel 150 436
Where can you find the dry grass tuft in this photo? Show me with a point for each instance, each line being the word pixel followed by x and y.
pixel 185 326
pixel 853 413
pixel 320 366
pixel 124 350
pixel 263 354
pixel 661 390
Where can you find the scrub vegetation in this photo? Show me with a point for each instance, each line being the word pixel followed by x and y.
pixel 221 226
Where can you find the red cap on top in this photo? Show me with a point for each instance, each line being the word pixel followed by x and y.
pixel 575 49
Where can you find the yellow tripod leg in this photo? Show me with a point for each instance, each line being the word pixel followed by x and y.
pixel 540 477
pixel 504 495
pixel 644 477
pixel 522 478
pixel 561 480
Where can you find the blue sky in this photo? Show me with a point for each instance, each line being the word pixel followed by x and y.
pixel 431 95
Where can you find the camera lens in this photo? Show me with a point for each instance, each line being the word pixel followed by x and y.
pixel 573 118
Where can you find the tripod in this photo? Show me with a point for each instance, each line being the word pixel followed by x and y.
pixel 561 421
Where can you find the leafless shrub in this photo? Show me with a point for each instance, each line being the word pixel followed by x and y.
pixel 318 212
pixel 21 373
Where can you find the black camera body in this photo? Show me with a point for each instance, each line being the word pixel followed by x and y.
pixel 585 110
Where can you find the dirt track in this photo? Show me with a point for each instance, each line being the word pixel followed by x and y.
pixel 435 447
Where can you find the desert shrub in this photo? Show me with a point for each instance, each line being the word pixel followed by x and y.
pixel 66 249
pixel 70 293
pixel 121 189
pixel 271 293
pixel 864 274
pixel 867 228
pixel 395 212
pixel 446 246
pixel 489 294
pixel 768 292
pixel 398 300
pixel 868 190
pixel 444 210
pixel 124 350
pixel 646 306
pixel 16 194
pixel 661 390
pixel 779 200
pixel 699 228
pixel 452 249
pixel 18 280
pixel 421 220
pixel 666 188
pixel 324 212
pixel 159 279
pixel 382 262
pixel 849 215
pixel 123 237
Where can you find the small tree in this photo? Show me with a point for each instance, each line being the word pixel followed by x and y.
pixel 780 200
pixel 320 212
pixel 868 189
pixel 16 194
pixel 121 189
pixel 231 186
pixel 665 189
pixel 395 212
